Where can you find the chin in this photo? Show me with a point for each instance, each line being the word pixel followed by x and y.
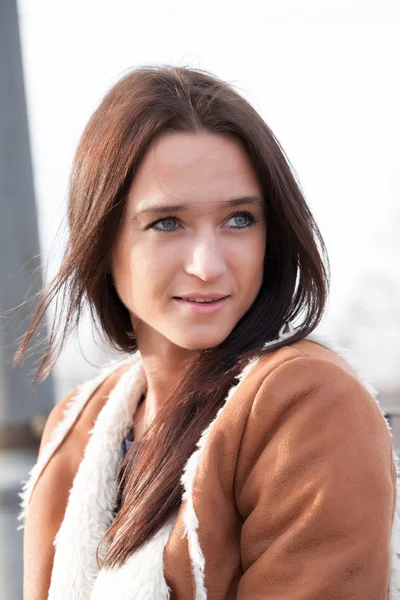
pixel 201 342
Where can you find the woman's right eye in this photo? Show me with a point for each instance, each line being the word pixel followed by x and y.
pixel 168 224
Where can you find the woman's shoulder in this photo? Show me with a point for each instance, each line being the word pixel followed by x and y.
pixel 314 346
pixel 313 379
pixel 316 357
pixel 79 409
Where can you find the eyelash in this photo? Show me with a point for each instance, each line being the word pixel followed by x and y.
pixel 252 221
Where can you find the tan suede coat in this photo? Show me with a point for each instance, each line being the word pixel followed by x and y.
pixel 290 495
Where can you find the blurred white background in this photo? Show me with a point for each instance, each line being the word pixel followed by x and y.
pixel 323 74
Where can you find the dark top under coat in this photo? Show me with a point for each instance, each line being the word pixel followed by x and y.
pixel 127 443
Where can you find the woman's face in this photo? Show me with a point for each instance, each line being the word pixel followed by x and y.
pixel 194 227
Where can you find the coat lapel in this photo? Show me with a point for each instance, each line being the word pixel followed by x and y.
pixel 89 510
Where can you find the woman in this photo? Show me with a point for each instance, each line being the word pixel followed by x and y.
pixel 256 464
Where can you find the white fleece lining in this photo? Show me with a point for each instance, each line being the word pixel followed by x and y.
pixel 141 577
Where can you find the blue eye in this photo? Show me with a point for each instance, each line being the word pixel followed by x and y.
pixel 167 222
pixel 243 220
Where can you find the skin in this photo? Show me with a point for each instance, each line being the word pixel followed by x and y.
pixel 207 246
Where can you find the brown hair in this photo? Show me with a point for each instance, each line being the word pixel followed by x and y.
pixel 141 106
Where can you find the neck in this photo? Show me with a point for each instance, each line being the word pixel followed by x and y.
pixel 163 365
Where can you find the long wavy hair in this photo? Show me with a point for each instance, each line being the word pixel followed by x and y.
pixel 144 104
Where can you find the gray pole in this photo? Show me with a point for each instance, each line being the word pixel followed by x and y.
pixel 19 244
pixel 19 252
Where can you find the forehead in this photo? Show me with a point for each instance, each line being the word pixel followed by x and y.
pixel 193 167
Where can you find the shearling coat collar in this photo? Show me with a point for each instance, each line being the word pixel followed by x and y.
pixel 76 575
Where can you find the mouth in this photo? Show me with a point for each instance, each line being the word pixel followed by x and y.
pixel 201 304
pixel 201 299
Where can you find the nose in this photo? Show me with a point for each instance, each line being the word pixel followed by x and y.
pixel 205 258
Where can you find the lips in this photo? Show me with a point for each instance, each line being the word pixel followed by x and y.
pixel 201 307
pixel 200 300
pixel 201 297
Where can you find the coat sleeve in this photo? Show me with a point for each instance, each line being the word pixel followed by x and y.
pixel 46 510
pixel 315 488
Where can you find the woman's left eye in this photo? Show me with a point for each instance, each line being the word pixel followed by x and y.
pixel 166 224
pixel 242 220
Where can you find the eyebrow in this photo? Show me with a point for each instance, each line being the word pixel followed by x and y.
pixel 162 208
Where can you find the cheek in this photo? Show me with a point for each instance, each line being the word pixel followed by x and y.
pixel 247 259
pixel 154 264
pixel 143 272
